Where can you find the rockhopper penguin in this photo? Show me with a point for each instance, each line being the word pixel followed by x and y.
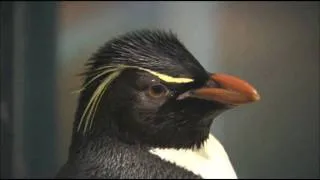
pixel 145 111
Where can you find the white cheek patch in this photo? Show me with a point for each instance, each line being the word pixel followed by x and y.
pixel 210 162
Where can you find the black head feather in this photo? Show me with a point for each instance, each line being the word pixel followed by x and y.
pixel 157 50
pixel 128 112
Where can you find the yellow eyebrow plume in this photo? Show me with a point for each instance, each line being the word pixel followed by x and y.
pixel 167 78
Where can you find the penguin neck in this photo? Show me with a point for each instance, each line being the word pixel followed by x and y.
pixel 210 160
pixel 104 130
pixel 97 143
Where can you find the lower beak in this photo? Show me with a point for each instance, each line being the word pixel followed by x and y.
pixel 232 91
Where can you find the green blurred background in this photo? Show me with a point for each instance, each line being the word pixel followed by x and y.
pixel 273 45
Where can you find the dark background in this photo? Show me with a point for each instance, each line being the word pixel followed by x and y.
pixel 273 45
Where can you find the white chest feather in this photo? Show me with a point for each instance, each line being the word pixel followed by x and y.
pixel 210 162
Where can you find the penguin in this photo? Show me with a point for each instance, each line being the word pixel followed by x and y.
pixel 145 110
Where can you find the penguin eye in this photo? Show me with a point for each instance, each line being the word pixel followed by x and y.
pixel 158 90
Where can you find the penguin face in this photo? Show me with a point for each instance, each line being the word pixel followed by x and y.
pixel 165 98
pixel 149 111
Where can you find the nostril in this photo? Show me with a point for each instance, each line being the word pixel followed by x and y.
pixel 212 84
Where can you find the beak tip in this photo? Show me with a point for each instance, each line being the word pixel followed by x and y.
pixel 256 96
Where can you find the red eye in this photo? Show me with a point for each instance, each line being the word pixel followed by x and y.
pixel 158 91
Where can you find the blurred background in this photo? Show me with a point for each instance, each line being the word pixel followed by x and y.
pixel 273 45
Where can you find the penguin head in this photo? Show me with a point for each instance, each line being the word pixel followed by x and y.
pixel 145 87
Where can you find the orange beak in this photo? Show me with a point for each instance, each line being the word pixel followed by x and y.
pixel 232 91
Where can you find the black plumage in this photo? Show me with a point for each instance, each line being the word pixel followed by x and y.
pixel 140 111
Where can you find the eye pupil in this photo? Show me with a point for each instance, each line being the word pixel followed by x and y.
pixel 157 90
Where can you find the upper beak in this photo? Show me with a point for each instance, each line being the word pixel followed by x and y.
pixel 232 91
